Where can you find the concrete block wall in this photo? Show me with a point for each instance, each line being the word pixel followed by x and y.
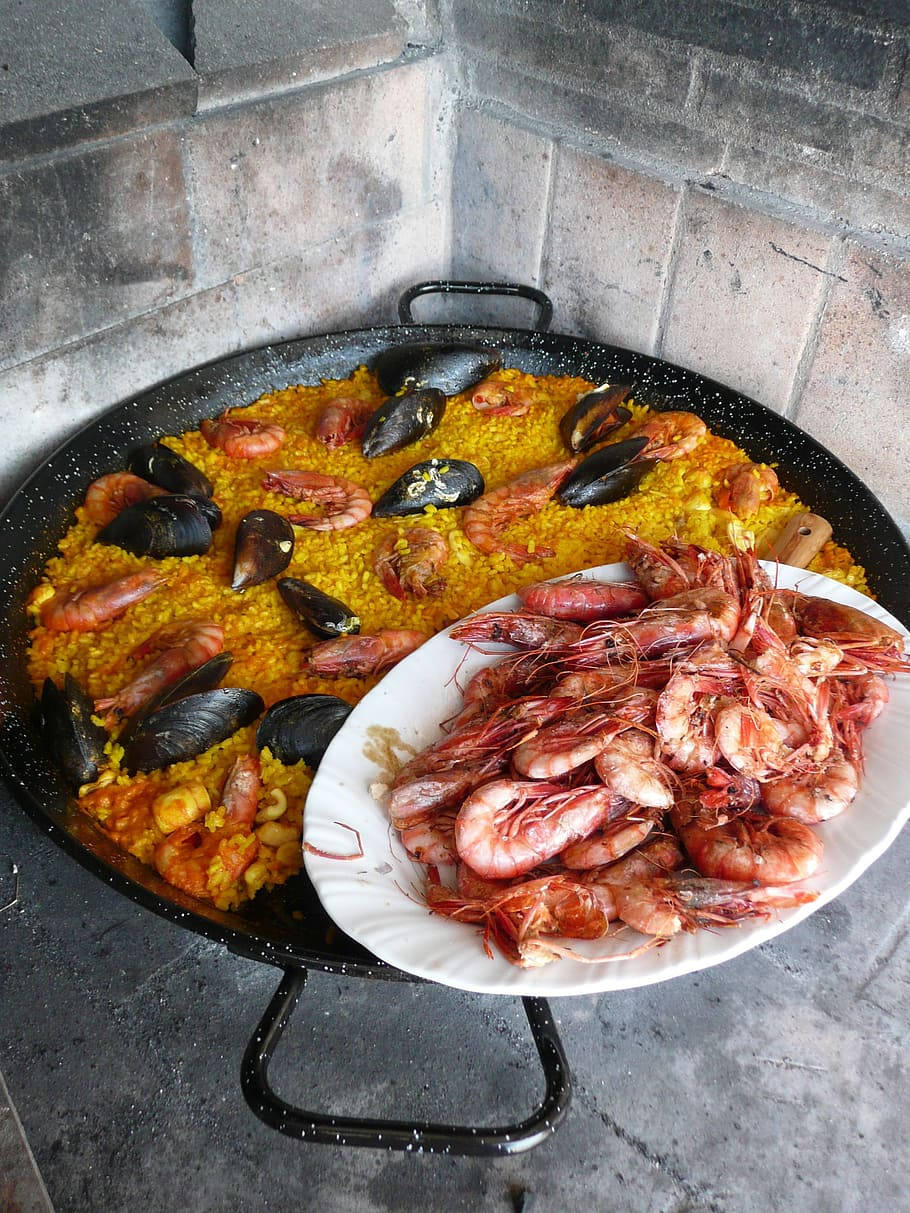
pixel 156 215
pixel 726 186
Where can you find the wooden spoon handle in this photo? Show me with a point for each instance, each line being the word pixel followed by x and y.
pixel 800 541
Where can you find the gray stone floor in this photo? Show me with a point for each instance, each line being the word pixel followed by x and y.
pixel 776 1081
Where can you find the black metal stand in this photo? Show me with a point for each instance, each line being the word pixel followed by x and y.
pixel 401 1134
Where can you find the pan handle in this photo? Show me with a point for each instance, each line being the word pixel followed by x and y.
pixel 397 1134
pixel 544 304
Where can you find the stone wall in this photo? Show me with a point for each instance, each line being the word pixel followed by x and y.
pixel 155 216
pixel 724 185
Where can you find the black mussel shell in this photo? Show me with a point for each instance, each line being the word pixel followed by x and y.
pixel 302 727
pixel 210 509
pixel 607 475
pixel 596 414
pixel 401 420
pixel 263 548
pixel 167 469
pixel 75 741
pixel 203 678
pixel 450 368
pixel 443 483
pixel 182 730
pixel 173 525
pixel 322 614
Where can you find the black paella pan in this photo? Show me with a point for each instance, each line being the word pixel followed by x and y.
pixel 288 927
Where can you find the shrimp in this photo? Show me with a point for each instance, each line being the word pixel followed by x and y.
pixel 670 434
pixel 745 487
pixel 409 563
pixel 685 712
pixel 515 917
pixel 432 841
pixel 180 806
pixel 521 629
pixel 90 609
pixel 628 767
pixel 662 906
pixel 752 846
pixel 752 741
pixel 505 828
pixel 674 567
pixel 493 684
pixel 182 647
pixel 815 797
pixel 343 420
pixel 347 503
pixel 205 862
pixel 582 599
pixel 361 656
pixel 497 400
pixel 565 745
pixel 863 638
pixel 488 517
pixel 420 798
pixel 107 496
pixel 669 626
pixel 615 839
pixel 242 437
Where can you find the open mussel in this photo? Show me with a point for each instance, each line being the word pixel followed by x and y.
pixel 263 548
pixel 302 727
pixel 321 613
pixel 75 741
pixel 401 420
pixel 167 469
pixel 449 367
pixel 608 475
pixel 441 483
pixel 594 415
pixel 173 525
pixel 184 729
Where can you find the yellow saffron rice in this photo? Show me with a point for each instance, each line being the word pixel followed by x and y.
pixel 266 640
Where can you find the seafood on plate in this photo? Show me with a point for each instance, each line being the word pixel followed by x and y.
pixel 680 779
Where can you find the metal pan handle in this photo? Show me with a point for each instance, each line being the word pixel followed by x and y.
pixel 443 287
pixel 413 1136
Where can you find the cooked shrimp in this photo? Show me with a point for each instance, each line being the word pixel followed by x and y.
pixel 183 647
pixel 628 767
pixel 347 503
pixel 685 719
pixel 863 638
pixel 204 862
pixel 670 434
pixel 421 797
pixel 518 628
pixel 582 599
pixel 675 566
pixel 409 563
pixel 492 684
pixel 107 496
pixel 180 806
pixel 565 745
pixel 344 420
pixel 497 400
pixel 515 917
pixel 612 841
pixel 663 906
pixel 752 846
pixel 815 797
pixel 242 437
pixel 752 741
pixel 488 517
pixel 666 627
pixel 360 656
pixel 432 841
pixel 506 828
pixel 90 609
pixel 745 487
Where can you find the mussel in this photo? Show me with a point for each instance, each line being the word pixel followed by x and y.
pixel 173 525
pixel 73 738
pixel 263 548
pixel 443 483
pixel 167 469
pixel 401 420
pixel 321 613
pixel 182 730
pixel 203 678
pixel 302 727
pixel 594 415
pixel 450 368
pixel 608 475
pixel 210 509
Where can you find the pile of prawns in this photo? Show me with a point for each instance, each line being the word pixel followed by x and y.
pixel 654 753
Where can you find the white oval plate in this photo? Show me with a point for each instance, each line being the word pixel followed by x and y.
pixel 376 899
